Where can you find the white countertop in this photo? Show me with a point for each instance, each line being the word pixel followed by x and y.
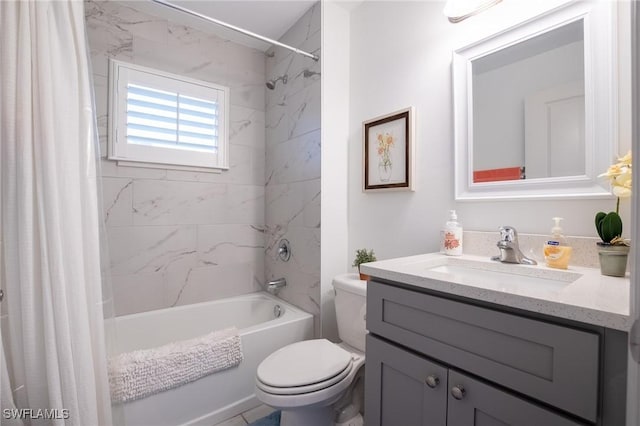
pixel 586 296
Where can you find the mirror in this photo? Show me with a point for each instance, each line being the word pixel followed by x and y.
pixel 534 107
pixel 539 108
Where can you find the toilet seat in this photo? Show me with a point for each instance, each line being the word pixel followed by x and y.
pixel 308 395
pixel 300 364
pixel 297 390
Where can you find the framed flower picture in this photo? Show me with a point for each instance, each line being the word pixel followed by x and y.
pixel 388 152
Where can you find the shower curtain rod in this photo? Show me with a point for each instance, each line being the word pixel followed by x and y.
pixel 234 28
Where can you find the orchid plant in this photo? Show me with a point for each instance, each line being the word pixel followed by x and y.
pixel 609 225
pixel 385 143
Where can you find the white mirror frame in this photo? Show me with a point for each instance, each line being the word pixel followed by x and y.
pixel 600 47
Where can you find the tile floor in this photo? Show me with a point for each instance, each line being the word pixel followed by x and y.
pixel 248 416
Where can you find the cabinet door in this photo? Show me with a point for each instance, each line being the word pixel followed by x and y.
pixel 475 403
pixel 403 388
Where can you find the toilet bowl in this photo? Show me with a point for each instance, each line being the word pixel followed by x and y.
pixel 311 381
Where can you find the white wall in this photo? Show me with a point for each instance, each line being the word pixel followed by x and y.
pixel 633 375
pixel 335 143
pixel 401 56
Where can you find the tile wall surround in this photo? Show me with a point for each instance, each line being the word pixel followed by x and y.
pixel 180 237
pixel 293 165
pixel 482 243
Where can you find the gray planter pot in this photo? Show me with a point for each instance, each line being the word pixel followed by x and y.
pixel 613 259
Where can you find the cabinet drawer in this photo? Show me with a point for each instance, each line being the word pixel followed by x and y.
pixel 484 405
pixel 554 364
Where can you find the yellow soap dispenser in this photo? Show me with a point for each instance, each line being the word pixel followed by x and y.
pixel 556 251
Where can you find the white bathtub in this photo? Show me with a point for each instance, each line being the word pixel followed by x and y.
pixel 216 397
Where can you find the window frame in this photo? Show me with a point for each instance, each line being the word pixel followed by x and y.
pixel 120 75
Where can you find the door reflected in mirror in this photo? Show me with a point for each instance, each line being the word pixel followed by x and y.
pixel 529 108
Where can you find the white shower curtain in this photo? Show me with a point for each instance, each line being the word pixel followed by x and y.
pixel 49 216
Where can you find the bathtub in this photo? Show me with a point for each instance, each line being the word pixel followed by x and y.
pixel 214 398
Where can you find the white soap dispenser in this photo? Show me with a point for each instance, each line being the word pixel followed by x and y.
pixel 452 242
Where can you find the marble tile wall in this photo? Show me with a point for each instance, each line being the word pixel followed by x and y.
pixel 293 165
pixel 180 237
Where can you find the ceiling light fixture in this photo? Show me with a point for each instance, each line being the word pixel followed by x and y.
pixel 459 10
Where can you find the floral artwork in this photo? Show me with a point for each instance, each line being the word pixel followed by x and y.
pixel 385 144
pixel 387 152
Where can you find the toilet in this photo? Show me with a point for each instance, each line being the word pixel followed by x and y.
pixel 317 382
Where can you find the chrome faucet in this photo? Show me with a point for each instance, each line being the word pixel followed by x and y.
pixel 509 249
pixel 274 286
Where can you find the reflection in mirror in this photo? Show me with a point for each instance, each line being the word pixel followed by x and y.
pixel 529 108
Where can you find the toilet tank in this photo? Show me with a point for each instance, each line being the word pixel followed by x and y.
pixel 351 304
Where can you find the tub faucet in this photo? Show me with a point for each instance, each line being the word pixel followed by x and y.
pixel 509 249
pixel 274 286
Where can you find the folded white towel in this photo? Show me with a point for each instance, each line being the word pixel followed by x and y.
pixel 137 374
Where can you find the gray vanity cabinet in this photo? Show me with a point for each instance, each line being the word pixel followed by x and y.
pixel 434 360
pixel 405 389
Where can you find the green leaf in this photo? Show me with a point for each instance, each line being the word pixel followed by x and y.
pixel 599 217
pixel 364 256
pixel 611 227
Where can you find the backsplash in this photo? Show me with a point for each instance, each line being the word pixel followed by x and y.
pixel 293 165
pixel 481 243
pixel 180 237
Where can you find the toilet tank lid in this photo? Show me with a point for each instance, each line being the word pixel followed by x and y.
pixel 350 283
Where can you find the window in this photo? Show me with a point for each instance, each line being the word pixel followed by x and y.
pixel 161 118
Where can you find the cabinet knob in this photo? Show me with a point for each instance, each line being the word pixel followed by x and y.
pixel 458 392
pixel 432 381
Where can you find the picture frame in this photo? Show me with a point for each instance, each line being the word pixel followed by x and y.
pixel 388 152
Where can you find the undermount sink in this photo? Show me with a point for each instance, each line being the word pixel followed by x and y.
pixel 464 270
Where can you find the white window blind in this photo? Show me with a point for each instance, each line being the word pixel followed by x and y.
pixel 156 117
pixel 167 119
